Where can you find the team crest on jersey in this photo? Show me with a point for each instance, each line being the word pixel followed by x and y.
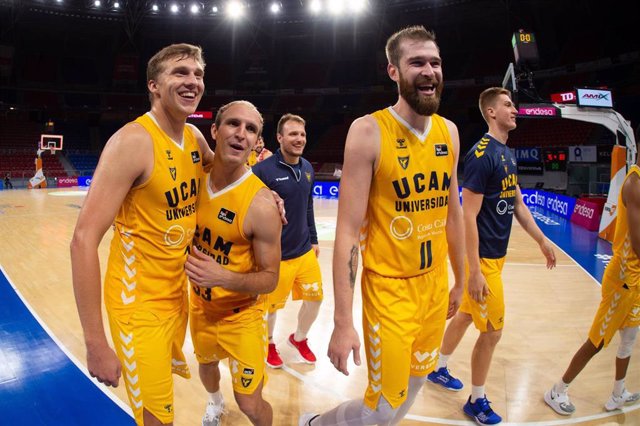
pixel 226 215
pixel 195 157
pixel 246 381
pixel 502 158
pixel 172 170
pixel 169 157
pixel 401 144
pixel 308 175
pixel 404 162
pixel 442 150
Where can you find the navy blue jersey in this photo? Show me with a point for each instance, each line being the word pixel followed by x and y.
pixel 294 184
pixel 490 169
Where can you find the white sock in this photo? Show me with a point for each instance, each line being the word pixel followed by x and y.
pixel 442 361
pixel 216 398
pixel 618 387
pixel 561 387
pixel 477 392
pixel 299 336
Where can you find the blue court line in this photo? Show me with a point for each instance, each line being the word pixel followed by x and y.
pixel 39 382
pixel 585 247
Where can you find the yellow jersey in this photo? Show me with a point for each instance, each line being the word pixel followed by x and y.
pixel 625 260
pixel 404 231
pixel 220 234
pixel 154 228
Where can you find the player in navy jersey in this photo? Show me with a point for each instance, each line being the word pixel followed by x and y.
pixel 491 197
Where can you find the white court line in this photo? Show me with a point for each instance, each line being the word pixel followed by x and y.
pixel 308 381
pixel 66 351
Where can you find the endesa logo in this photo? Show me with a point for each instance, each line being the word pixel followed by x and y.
pixel 539 111
pixel 584 211
pixel 326 189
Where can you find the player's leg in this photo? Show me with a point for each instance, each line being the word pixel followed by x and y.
pixel 276 301
pixel 308 287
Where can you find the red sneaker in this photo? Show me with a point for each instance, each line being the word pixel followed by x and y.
pixel 303 349
pixel 273 357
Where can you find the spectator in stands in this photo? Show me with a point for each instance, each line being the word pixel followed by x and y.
pixel 491 197
pixel 292 177
pixel 259 153
pixel 146 184
pixel 7 181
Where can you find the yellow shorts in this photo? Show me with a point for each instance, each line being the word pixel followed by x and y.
pixel 150 349
pixel 492 310
pixel 241 337
pixel 619 308
pixel 301 277
pixel 403 323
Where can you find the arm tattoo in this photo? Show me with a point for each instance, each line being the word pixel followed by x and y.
pixel 353 266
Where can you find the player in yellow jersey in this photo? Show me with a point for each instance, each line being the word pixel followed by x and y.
pixel 619 308
pixel 490 200
pixel 234 263
pixel 258 153
pixel 146 185
pixel 399 187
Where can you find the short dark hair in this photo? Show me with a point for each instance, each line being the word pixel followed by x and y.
pixel 415 32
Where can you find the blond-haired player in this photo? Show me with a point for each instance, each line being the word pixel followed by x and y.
pixel 233 265
pixel 146 185
pixel 399 187
pixel 490 199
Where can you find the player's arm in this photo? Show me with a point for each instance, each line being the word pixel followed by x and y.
pixel 631 200
pixel 471 204
pixel 455 227
pixel 207 152
pixel 263 226
pixel 127 159
pixel 311 222
pixel 528 223
pixel 362 148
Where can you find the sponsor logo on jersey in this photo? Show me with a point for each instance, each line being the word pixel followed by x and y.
pixel 195 157
pixel 169 157
pixel 404 162
pixel 282 178
pixel 226 215
pixel 172 170
pixel 248 371
pixel 442 150
pixel 401 144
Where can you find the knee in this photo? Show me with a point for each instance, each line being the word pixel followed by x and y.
pixel 491 337
pixel 627 339
pixel 250 405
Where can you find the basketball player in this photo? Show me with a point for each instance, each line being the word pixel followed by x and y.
pixel 619 308
pixel 491 197
pixel 259 153
pixel 292 177
pixel 146 185
pixel 234 263
pixel 399 205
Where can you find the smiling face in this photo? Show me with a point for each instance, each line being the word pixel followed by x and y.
pixel 179 87
pixel 419 75
pixel 292 139
pixel 502 112
pixel 236 132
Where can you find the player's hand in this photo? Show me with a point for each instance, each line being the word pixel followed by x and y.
pixel 280 204
pixel 343 341
pixel 455 297
pixel 104 365
pixel 203 270
pixel 549 253
pixel 477 287
pixel 316 249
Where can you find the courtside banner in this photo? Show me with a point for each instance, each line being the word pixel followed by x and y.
pixel 324 189
pixel 66 182
pixel 559 204
pixel 587 212
pixel 84 180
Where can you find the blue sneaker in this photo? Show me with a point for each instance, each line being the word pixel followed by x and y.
pixel 481 412
pixel 443 378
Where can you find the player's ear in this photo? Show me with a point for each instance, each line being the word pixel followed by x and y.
pixel 393 72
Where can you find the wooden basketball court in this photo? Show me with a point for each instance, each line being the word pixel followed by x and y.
pixel 548 317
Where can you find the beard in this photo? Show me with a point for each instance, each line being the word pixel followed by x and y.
pixel 422 105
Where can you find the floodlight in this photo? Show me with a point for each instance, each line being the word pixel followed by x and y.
pixel 275 7
pixel 97 3
pixel 335 6
pixel 174 8
pixel 154 7
pixel 315 6
pixel 235 9
pixel 194 9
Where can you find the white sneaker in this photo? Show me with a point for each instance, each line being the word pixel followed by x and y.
pixel 212 414
pixel 305 419
pixel 559 402
pixel 616 402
